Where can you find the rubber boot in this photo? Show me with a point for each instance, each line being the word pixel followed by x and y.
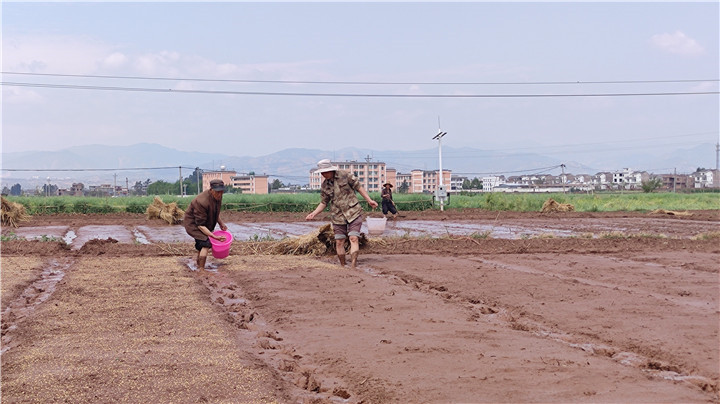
pixel 342 259
pixel 353 259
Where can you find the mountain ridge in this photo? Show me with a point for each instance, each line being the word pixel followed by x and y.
pixel 157 162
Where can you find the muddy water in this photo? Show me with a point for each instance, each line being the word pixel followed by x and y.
pixel 102 232
pixel 35 294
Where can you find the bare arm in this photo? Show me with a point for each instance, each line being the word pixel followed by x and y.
pixel 208 233
pixel 317 210
pixel 365 195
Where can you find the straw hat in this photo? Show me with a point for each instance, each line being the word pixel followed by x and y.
pixel 325 165
pixel 387 183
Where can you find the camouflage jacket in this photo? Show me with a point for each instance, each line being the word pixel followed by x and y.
pixel 339 194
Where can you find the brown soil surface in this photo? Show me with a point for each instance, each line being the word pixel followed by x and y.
pixel 452 319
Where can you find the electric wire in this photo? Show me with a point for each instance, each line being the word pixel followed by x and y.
pixel 361 82
pixel 369 95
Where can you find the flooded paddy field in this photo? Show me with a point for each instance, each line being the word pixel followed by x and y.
pixel 129 228
pixel 454 307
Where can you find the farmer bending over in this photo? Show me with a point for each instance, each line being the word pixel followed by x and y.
pixel 201 217
pixel 339 188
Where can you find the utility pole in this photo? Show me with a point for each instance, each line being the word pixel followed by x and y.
pixel 181 187
pixel 197 178
pixel 114 183
pixel 127 186
pixel 367 172
pixel 674 178
pixel 440 191
pixel 562 178
pixel 717 156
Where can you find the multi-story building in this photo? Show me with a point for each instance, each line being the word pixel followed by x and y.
pixel 423 181
pixel 675 182
pixel 371 174
pixel 247 183
pixel 250 184
pixel 224 175
pixel 706 179
pixel 401 178
pixel 456 182
pixel 491 182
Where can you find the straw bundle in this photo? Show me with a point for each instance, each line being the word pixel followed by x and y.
pixel 13 213
pixel 553 206
pixel 167 212
pixel 317 243
pixel 670 212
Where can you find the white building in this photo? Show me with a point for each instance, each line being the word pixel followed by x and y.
pixel 706 179
pixel 491 182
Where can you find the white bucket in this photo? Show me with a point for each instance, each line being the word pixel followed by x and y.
pixel 376 225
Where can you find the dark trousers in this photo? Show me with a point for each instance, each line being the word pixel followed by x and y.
pixel 387 205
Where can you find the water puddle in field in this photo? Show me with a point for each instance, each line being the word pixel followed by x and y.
pixel 41 232
pixel 140 237
pixel 87 233
pixel 69 237
pixel 209 265
pixel 34 295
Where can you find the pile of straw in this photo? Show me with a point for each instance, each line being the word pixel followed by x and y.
pixel 670 212
pixel 167 212
pixel 552 206
pixel 13 213
pixel 317 243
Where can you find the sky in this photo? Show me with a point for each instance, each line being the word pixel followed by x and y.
pixel 250 79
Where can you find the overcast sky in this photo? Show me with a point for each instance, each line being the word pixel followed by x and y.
pixel 484 69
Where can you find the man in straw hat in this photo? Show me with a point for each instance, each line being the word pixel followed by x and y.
pixel 387 201
pixel 339 188
pixel 201 217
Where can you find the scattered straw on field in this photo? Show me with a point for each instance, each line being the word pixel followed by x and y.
pixel 553 206
pixel 670 212
pixel 124 329
pixel 316 243
pixel 13 213
pixel 168 212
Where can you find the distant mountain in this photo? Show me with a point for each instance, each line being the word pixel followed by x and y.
pixel 293 165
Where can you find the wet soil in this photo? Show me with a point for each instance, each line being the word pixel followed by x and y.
pixel 589 307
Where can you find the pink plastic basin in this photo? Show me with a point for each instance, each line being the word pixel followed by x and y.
pixel 221 249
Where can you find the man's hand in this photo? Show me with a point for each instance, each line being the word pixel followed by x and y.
pixel 219 238
pixel 310 216
pixel 373 204
pixel 223 227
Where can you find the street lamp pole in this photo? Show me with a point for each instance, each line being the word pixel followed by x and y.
pixel 440 192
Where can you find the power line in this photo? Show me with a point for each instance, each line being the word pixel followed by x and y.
pixel 226 92
pixel 361 82
pixel 92 169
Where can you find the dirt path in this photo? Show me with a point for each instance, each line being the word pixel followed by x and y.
pixel 439 320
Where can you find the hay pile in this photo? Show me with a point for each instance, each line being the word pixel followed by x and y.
pixel 317 243
pixel 552 206
pixel 670 212
pixel 167 212
pixel 13 213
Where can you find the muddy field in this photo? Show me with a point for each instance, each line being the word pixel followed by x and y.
pixel 445 307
